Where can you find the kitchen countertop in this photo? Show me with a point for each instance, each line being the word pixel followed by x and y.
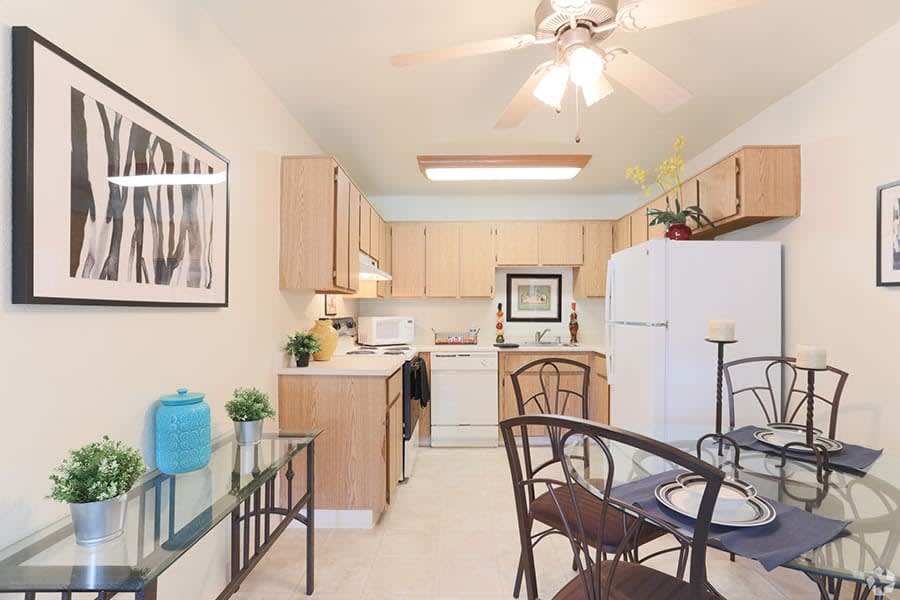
pixel 385 366
pixel 352 366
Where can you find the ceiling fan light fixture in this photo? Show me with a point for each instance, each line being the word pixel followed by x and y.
pixel 528 167
pixel 597 90
pixel 585 65
pixel 552 86
pixel 571 7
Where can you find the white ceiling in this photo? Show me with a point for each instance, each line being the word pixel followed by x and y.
pixel 328 61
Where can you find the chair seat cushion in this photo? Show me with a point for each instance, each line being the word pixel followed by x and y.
pixel 544 510
pixel 633 582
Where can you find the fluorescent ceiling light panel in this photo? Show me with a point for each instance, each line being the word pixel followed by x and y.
pixel 169 179
pixel 538 167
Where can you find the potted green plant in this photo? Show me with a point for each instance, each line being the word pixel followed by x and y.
pixel 248 408
pixel 301 345
pixel 95 481
pixel 668 178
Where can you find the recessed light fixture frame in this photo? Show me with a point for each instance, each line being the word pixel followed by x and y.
pixel 515 167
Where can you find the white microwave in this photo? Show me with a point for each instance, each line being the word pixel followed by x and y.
pixel 385 331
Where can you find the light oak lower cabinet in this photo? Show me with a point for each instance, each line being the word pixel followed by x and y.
pixel 394 435
pixel 442 260
pixel 517 244
pixel 355 464
pixel 590 279
pixel 408 260
pixel 476 260
pixel 562 243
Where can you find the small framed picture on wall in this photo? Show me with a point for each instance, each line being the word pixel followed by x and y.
pixel 534 298
pixel 887 259
pixel 330 305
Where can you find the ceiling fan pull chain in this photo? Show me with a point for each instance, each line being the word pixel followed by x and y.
pixel 577 116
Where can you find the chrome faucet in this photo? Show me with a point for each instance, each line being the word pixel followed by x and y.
pixel 539 336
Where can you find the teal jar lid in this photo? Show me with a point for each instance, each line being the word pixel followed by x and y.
pixel 182 397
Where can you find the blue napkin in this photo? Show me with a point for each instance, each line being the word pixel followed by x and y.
pixel 792 533
pixel 855 458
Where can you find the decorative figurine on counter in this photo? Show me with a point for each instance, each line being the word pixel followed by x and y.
pixel 500 338
pixel 573 326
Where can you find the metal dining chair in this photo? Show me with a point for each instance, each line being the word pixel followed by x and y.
pixel 599 575
pixel 829 388
pixel 559 386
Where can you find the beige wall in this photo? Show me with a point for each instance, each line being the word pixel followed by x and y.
pixel 70 375
pixel 846 121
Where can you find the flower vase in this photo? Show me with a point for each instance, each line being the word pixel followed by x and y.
pixel 678 231
pixel 328 339
pixel 99 522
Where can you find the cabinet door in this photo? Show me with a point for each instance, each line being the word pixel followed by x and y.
pixel 639 226
pixel 690 191
pixel 353 249
pixel 531 385
pixel 590 279
pixel 476 260
pixel 518 244
pixel 599 399
pixel 376 235
pixel 442 260
pixel 656 232
pixel 408 260
pixel 718 192
pixel 622 234
pixel 365 225
pixel 342 224
pixel 384 287
pixel 562 243
pixel 394 442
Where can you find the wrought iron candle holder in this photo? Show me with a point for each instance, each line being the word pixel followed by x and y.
pixel 720 370
pixel 822 463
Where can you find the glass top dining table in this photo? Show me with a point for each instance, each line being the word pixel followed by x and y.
pixel 871 501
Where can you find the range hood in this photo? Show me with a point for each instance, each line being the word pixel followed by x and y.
pixel 369 271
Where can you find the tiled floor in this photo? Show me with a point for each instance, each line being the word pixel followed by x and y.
pixel 451 533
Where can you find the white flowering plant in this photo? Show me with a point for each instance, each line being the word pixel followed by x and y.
pixel 99 471
pixel 249 404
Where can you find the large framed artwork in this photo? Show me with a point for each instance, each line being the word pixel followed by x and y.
pixel 113 203
pixel 534 298
pixel 887 260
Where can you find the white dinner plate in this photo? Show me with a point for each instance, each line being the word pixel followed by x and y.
pixel 752 512
pixel 780 435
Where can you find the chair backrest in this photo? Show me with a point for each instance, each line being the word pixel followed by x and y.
pixel 764 374
pixel 589 553
pixel 549 386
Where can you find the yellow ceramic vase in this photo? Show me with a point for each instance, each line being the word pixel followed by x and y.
pixel 328 339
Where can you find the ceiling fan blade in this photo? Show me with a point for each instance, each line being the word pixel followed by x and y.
pixel 645 80
pixel 637 15
pixel 524 100
pixel 514 42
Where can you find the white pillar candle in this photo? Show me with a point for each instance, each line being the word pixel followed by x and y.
pixel 812 357
pixel 721 331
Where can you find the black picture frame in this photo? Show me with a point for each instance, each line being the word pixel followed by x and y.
pixel 24 43
pixel 513 312
pixel 881 227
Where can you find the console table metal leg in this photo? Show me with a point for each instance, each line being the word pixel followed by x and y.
pixel 310 518
pixel 149 592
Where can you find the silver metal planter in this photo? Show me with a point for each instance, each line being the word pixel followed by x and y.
pixel 248 432
pixel 98 522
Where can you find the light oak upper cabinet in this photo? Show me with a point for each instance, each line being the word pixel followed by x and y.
pixel 622 234
pixel 752 185
pixel 408 260
pixel 590 279
pixel 657 231
pixel 365 225
pixel 376 236
pixel 318 247
pixel 383 289
pixel 517 244
pixel 640 229
pixel 561 243
pixel 355 199
pixel 441 260
pixel 476 260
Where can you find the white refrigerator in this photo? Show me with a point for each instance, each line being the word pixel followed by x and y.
pixel 660 298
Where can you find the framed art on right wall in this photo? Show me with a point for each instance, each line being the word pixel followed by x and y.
pixel 888 235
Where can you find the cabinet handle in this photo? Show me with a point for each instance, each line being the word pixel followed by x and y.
pixel 737 181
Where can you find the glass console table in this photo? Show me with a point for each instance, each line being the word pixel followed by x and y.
pixel 167 515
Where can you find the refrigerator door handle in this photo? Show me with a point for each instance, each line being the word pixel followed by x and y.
pixel 610 344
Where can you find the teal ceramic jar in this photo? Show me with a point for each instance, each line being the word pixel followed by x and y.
pixel 183 432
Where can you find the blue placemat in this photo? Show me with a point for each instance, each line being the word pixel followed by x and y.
pixel 856 458
pixel 792 533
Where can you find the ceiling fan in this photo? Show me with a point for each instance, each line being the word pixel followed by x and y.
pixel 576 29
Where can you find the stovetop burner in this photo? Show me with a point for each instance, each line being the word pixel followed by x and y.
pixel 362 352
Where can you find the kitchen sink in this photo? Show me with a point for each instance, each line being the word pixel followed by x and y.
pixel 547 345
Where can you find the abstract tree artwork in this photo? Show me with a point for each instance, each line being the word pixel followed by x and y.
pixel 113 203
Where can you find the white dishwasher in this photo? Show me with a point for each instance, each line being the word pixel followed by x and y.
pixel 464 399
